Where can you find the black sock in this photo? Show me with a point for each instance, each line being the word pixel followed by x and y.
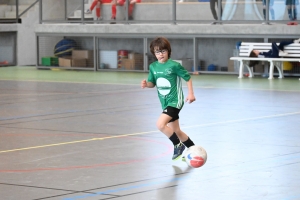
pixel 188 143
pixel 174 139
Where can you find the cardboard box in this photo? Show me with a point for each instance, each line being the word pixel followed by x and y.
pixel 127 64
pixel 65 62
pixel 138 60
pixel 134 61
pixel 71 62
pixel 79 62
pixel 84 54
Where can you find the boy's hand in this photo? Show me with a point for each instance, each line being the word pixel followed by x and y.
pixel 143 83
pixel 190 98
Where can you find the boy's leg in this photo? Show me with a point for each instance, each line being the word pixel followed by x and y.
pixel 181 135
pixel 95 2
pixel 114 7
pixel 130 11
pixel 89 10
pixel 221 9
pixel 290 12
pixel 271 4
pixel 176 128
pixel 131 8
pixel 98 9
pixel 98 13
pixel 162 125
pixel 213 9
pixel 278 51
pixel 264 8
pixel 275 50
pixel 272 13
pixel 113 11
pixel 284 43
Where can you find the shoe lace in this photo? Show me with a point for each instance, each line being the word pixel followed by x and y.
pixel 177 148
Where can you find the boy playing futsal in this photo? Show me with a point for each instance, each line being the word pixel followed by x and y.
pixel 166 75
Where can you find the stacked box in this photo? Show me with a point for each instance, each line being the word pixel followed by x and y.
pixel 79 62
pixel 65 62
pixel 72 62
pixel 88 55
pixel 79 58
pixel 134 61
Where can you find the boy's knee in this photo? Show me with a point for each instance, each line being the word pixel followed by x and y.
pixel 178 132
pixel 160 126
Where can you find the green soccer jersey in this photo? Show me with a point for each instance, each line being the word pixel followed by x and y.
pixel 167 78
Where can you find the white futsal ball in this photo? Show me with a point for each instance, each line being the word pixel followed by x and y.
pixel 195 156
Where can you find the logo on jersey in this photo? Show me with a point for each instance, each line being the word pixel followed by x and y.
pixel 168 71
pixel 163 86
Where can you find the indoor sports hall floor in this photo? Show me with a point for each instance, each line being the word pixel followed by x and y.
pixel 68 135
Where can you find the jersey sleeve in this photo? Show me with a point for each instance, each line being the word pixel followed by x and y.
pixel 151 77
pixel 182 72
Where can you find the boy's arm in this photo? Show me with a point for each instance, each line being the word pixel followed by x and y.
pixel 144 84
pixel 190 97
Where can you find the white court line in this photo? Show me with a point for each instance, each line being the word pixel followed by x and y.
pixel 49 81
pixel 147 132
pixel 137 84
pixel 71 93
pixel 243 120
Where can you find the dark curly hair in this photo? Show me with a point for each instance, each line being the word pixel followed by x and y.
pixel 160 43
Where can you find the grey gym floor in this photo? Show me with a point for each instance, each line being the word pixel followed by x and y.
pixel 68 135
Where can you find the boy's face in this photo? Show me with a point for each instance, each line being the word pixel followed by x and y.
pixel 161 55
